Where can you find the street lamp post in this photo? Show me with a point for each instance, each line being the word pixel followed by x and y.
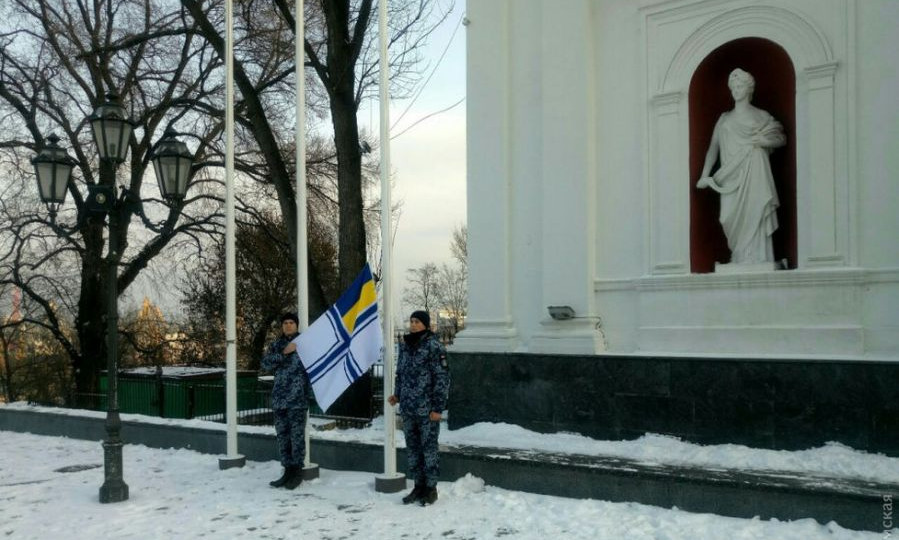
pixel 111 128
pixel 172 163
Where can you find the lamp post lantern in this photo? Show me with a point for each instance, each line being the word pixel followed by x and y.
pixel 53 167
pixel 112 128
pixel 173 164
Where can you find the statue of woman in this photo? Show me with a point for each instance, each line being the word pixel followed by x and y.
pixel 742 139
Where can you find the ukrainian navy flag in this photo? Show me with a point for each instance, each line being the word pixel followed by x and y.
pixel 344 342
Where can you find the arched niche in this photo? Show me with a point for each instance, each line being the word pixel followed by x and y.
pixel 709 96
pixel 683 40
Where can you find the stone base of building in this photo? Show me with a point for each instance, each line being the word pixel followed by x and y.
pixel 766 403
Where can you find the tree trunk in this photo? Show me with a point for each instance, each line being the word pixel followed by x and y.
pixel 7 369
pixel 351 257
pixel 90 322
pixel 257 344
pixel 342 55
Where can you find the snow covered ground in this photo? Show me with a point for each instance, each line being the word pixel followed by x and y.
pixel 182 494
pixel 832 460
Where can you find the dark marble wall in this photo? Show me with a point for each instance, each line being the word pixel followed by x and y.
pixel 781 404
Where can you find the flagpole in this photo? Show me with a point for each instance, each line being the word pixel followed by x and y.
pixel 391 481
pixel 310 470
pixel 232 459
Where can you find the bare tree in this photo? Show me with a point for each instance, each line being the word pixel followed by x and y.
pixel 442 289
pixel 33 366
pixel 58 58
pixel 11 337
pixel 459 245
pixel 263 69
pixel 341 48
pixel 452 294
pixel 265 288
pixel 421 291
pixel 145 334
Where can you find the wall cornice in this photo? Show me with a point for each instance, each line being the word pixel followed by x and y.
pixel 780 279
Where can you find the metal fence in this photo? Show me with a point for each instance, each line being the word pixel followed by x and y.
pixel 180 399
pixel 207 401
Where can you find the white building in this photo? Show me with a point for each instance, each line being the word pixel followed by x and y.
pixel 587 125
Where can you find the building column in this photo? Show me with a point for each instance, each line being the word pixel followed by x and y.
pixel 569 180
pixel 489 326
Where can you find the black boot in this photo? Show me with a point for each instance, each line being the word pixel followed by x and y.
pixel 280 481
pixel 429 496
pixel 295 477
pixel 415 494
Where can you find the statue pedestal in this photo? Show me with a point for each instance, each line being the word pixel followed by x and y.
pixel 745 268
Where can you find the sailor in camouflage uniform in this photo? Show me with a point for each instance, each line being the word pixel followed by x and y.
pixel 422 388
pixel 289 401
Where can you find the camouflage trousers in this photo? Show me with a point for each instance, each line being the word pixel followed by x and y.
pixel 290 425
pixel 423 461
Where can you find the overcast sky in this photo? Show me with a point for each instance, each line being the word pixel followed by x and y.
pixel 427 155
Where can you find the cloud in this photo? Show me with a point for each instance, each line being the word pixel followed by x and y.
pixel 429 172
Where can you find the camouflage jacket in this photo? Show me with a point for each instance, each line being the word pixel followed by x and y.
pixel 291 389
pixel 422 376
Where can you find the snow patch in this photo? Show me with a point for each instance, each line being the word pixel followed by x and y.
pixel 467 485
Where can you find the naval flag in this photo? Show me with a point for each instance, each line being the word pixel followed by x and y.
pixel 344 342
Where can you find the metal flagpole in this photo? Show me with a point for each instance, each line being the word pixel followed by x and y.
pixel 310 470
pixel 232 459
pixel 391 481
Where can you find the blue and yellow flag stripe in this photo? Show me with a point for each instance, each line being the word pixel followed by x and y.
pixel 355 303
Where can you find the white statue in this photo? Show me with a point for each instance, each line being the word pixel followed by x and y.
pixel 744 137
